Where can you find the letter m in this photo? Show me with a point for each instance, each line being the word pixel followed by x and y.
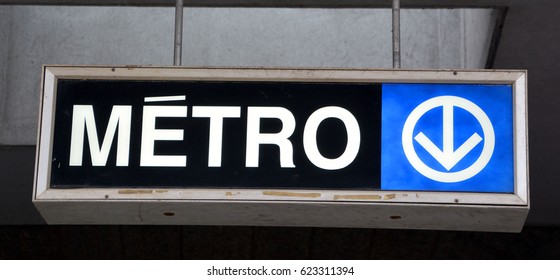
pixel 83 119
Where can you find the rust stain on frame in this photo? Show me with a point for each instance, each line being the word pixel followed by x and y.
pixel 292 194
pixel 358 197
pixel 136 191
pixel 232 193
pixel 389 196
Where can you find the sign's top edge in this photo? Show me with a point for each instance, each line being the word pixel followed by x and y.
pixel 181 73
pixel 252 68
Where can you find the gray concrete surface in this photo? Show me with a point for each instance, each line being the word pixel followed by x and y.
pixel 5 30
pixel 335 38
pixel 346 38
pixel 55 35
pixel 292 3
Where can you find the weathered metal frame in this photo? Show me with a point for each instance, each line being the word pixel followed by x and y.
pixel 335 208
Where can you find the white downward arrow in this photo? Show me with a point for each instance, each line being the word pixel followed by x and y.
pixel 449 157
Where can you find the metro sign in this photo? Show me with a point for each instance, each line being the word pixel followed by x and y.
pixel 215 134
pixel 457 137
pixel 398 149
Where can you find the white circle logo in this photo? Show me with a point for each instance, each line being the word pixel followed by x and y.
pixel 448 156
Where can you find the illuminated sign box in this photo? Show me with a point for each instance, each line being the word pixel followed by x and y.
pixel 286 147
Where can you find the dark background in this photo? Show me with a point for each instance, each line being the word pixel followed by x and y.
pixel 218 242
pixel 301 99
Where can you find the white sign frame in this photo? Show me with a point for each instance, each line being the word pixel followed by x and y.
pixel 270 207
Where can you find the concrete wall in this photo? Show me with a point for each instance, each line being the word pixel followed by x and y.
pixel 5 30
pixel 35 36
pixel 477 25
pixel 56 35
pixel 32 36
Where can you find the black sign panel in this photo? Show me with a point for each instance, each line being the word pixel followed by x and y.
pixel 186 134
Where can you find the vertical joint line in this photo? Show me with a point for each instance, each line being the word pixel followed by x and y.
pixel 178 45
pixel 496 35
pixel 396 34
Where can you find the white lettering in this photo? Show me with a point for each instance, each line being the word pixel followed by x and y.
pixel 150 134
pixel 83 119
pixel 216 115
pixel 255 138
pixel 310 138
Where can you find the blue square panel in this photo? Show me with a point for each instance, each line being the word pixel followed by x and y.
pixel 447 137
